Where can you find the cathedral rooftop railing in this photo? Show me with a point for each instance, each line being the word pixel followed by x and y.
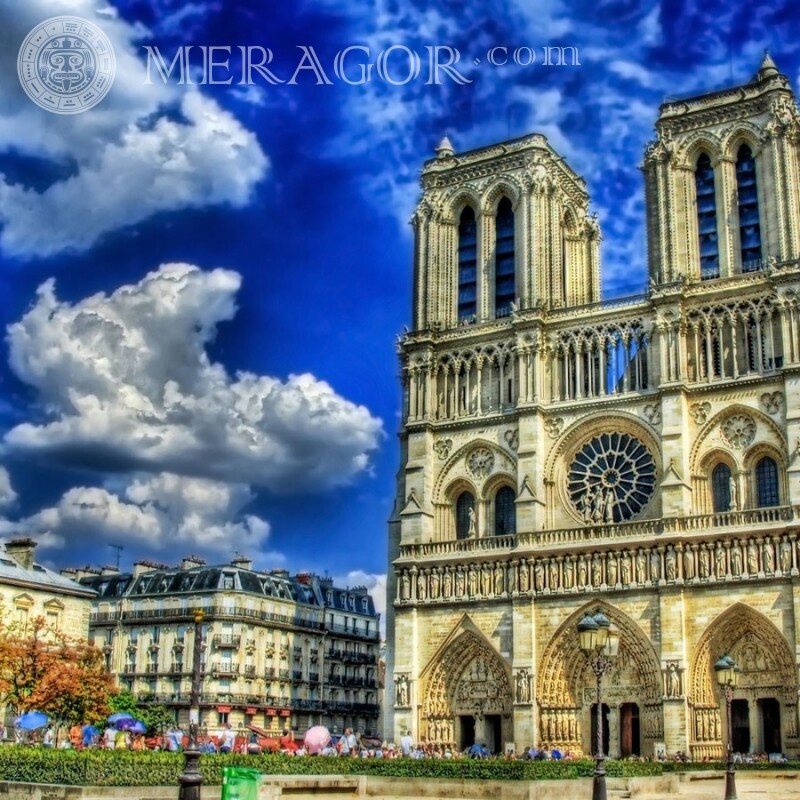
pixel 644 530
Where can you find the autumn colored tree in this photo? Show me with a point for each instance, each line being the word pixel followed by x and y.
pixel 44 670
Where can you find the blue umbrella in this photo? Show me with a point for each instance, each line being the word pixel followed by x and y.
pixel 138 727
pixel 118 716
pixel 31 721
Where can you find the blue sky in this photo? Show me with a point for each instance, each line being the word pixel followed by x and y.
pixel 201 286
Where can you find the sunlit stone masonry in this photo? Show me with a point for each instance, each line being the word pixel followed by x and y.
pixel 641 456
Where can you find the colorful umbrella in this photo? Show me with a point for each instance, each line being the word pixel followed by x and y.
pixel 316 738
pixel 126 724
pixel 31 721
pixel 114 718
pixel 138 726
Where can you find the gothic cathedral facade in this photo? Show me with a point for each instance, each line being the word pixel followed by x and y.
pixel 560 454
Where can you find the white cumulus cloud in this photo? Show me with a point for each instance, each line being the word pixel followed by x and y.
pixel 144 149
pixel 127 385
pixel 7 494
pixel 165 514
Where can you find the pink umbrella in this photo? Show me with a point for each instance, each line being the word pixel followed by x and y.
pixel 316 738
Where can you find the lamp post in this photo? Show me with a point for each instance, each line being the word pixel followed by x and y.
pixel 601 646
pixel 727 677
pixel 191 778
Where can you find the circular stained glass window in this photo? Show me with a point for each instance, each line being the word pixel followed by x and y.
pixel 611 479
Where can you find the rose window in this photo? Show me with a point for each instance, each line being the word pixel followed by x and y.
pixel 611 479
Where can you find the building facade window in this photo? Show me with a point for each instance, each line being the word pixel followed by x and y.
pixel 708 240
pixel 721 488
pixel 504 260
pixel 505 512
pixel 465 515
pixel 749 223
pixel 767 493
pixel 467 267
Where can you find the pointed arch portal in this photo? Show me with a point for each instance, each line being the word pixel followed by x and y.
pixel 765 704
pixel 467 695
pixel 566 690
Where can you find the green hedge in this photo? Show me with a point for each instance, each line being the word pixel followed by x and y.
pixel 124 768
pixel 702 766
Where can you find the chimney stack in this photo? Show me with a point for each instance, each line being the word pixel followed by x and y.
pixel 21 550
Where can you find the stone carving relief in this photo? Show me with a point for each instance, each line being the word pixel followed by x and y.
pixel 652 413
pixel 443 448
pixel 512 438
pixel 772 402
pixel 739 430
pixel 700 412
pixel 554 427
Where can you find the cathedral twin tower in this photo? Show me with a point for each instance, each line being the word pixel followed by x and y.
pixel 560 454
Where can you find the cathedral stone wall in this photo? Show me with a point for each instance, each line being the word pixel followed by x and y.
pixel 562 455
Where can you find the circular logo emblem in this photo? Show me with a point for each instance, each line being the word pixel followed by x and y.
pixel 66 65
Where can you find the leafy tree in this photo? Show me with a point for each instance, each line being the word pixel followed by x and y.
pixel 45 670
pixel 157 718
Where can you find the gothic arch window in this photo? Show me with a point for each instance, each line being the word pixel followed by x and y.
pixel 465 515
pixel 504 277
pixel 721 488
pixel 467 267
pixel 767 493
pixel 505 512
pixel 747 198
pixel 707 218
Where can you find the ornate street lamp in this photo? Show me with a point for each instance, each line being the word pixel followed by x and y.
pixel 191 777
pixel 727 677
pixel 601 646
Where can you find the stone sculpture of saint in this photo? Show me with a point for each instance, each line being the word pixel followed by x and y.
pixel 673 681
pixel 598 505
pixel 608 506
pixel 752 558
pixel 472 524
pixel 672 567
pixel 626 570
pixel 611 569
pixel 736 561
pixel 768 558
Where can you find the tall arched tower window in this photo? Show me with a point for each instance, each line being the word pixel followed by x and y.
pixel 465 515
pixel 467 266
pixel 749 223
pixel 707 218
pixel 504 267
pixel 721 488
pixel 767 483
pixel 505 512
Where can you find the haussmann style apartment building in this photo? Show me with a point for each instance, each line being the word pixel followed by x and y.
pixel 278 650
pixel 563 455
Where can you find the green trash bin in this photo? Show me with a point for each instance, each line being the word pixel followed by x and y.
pixel 240 783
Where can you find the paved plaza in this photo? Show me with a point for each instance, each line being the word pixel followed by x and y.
pixel 748 787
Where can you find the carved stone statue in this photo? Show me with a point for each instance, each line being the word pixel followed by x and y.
pixel 719 559
pixel 583 574
pixel 734 493
pixel 597 571
pixel 524 577
pixel 786 557
pixel 598 505
pixel 471 531
pixel 553 576
pixel 538 575
pixel 641 567
pixel 752 558
pixel 447 584
pixel 459 583
pixel 499 582
pixel 673 680
pixel 768 558
pixel 473 582
pixel 609 501
pixel 655 566
pixel 401 692
pixel 736 560
pixel 569 573
pixel 422 592
pixel 688 564
pixel 611 569
pixel 405 586
pixel 435 585
pixel 705 563
pixel 625 567
pixel 672 564
pixel 523 686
